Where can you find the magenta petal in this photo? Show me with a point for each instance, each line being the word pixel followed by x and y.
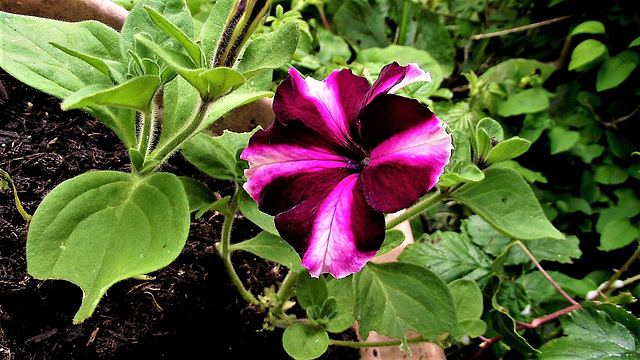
pixel 285 152
pixel 327 107
pixel 394 77
pixel 341 231
pixel 409 149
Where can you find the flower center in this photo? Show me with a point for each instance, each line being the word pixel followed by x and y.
pixel 359 166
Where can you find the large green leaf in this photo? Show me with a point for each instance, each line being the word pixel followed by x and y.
pixel 591 334
pixel 29 56
pixel 450 255
pixel 362 22
pixel 394 298
pixel 105 226
pixel 506 202
pixel 270 51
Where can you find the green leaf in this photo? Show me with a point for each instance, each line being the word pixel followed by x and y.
pixel 403 55
pixel 342 289
pixel 201 198
pixel 273 248
pixel 610 175
pixel 311 291
pixel 561 139
pixel 223 105
pixel 505 325
pixel 527 101
pixel 487 131
pixel 467 299
pixel 616 70
pixel 392 239
pixel 540 289
pixel 175 32
pixel 139 22
pixel 591 334
pixel 511 71
pixel 105 226
pixel 211 32
pixel 634 42
pixel 218 156
pixel 508 149
pixel 586 54
pixel 506 201
pixel 450 255
pixel 362 22
pixel 113 69
pixel 5 181
pixel 331 46
pixel 136 93
pixel 302 341
pixel 269 51
pixel 249 209
pixel 30 57
pixel 180 100
pixel 394 298
pixel 339 322
pixel 588 27
pixel 618 234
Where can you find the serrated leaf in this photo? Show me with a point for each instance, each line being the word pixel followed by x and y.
pixel 586 54
pixel 135 93
pixel 269 51
pixel 302 341
pixel 105 226
pixel 273 248
pixel 615 70
pixel 450 255
pixel 394 298
pixel 506 202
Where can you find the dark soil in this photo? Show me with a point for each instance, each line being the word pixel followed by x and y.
pixel 190 310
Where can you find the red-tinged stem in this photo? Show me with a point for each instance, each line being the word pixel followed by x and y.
pixel 323 16
pixel 531 325
pixel 546 275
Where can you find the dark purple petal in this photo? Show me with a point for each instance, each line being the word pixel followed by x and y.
pixel 409 149
pixel 340 232
pixel 328 107
pixel 394 77
pixel 285 152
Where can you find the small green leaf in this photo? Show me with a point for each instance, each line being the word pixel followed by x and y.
pixel 505 325
pixel 450 255
pixel 506 202
pixel 6 179
pixel 472 327
pixel 249 209
pixel 394 298
pixel 339 322
pixel 136 93
pixel 115 70
pixel 201 198
pixel 331 46
pixel 634 42
pixel 273 248
pixel 269 51
pixel 392 239
pixel 508 149
pixel 303 342
pixel 588 27
pixel 311 291
pixel 223 105
pixel 616 70
pixel 561 139
pixel 610 175
pixel 175 32
pixel 105 226
pixel 618 234
pixel 467 298
pixel 218 156
pixel 527 101
pixel 586 54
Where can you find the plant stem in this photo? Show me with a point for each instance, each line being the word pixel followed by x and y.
pixel 283 294
pixel 546 275
pixel 225 251
pixel 631 280
pixel 146 133
pixel 323 16
pixel 416 209
pixel 625 267
pixel 402 31
pixel 520 28
pixel 362 344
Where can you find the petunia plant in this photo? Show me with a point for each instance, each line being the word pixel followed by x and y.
pixel 319 182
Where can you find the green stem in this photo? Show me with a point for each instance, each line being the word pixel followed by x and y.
pixel 225 251
pixel 162 153
pixel 284 292
pixel 402 31
pixel 361 344
pixel 416 209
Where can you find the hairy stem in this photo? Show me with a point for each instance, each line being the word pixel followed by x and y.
pixel 225 251
pixel 546 275
pixel 362 344
pixel 284 293
pixel 416 209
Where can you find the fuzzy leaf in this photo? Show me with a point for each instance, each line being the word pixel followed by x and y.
pixel 270 51
pixel 136 93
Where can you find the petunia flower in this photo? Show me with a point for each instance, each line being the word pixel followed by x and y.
pixel 340 153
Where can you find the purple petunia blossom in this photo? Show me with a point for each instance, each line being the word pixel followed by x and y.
pixel 340 153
